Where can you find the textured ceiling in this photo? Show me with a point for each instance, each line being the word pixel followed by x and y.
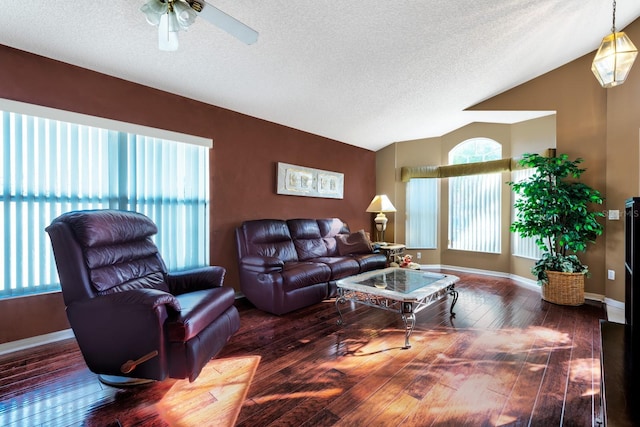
pixel 367 73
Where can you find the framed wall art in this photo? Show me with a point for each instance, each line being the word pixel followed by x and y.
pixel 296 180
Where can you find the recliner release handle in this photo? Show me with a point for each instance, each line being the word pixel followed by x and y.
pixel 130 365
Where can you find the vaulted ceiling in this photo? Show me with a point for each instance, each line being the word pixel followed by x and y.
pixel 366 73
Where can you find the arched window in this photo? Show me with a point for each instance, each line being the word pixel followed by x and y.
pixel 475 200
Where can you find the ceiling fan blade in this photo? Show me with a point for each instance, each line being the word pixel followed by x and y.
pixel 226 22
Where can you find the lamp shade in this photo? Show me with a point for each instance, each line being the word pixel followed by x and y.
pixel 614 59
pixel 381 203
pixel 168 32
pixel 153 10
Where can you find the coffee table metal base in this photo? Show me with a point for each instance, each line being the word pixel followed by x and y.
pixel 406 309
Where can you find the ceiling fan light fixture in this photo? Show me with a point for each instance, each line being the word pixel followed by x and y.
pixel 185 15
pixel 171 16
pixel 153 10
pixel 614 58
pixel 168 32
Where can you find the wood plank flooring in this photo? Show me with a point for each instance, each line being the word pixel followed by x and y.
pixel 506 359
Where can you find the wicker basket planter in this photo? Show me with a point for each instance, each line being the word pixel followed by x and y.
pixel 564 288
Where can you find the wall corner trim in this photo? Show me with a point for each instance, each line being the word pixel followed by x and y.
pixel 26 343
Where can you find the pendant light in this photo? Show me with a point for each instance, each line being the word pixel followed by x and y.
pixel 614 58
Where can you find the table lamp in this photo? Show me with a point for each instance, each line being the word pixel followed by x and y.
pixel 381 204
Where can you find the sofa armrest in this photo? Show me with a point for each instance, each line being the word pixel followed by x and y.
pixel 181 282
pixel 261 264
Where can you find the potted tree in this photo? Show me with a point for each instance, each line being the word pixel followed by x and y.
pixel 553 208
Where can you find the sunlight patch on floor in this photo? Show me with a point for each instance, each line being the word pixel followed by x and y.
pixel 214 398
pixel 316 394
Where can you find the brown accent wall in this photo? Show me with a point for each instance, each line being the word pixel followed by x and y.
pixel 243 162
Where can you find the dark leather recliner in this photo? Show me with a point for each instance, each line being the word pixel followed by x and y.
pixel 123 305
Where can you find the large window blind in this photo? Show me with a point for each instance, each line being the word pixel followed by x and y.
pixel 49 167
pixel 422 213
pixel 523 246
pixel 474 200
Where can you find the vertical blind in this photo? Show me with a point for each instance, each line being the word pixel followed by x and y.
pixel 422 213
pixel 475 200
pixel 522 246
pixel 474 212
pixel 49 167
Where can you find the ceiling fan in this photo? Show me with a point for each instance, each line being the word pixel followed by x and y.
pixel 171 16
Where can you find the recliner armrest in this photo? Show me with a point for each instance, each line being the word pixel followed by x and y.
pixel 197 279
pixel 261 264
pixel 151 298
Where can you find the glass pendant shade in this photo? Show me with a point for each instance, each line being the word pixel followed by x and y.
pixel 614 59
pixel 153 10
pixel 168 32
pixel 185 16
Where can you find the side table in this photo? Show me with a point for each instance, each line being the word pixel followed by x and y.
pixel 391 250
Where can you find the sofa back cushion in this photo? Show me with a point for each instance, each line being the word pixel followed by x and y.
pixel 118 251
pixel 267 237
pixel 329 229
pixel 307 238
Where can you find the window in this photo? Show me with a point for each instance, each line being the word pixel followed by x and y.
pixel 523 246
pixel 48 167
pixel 474 200
pixel 422 213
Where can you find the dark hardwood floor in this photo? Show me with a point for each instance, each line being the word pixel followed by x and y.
pixel 506 359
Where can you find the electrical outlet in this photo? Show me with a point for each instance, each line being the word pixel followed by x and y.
pixel 611 274
pixel 418 255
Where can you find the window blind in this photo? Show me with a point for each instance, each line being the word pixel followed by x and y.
pixel 50 166
pixel 475 199
pixel 422 213
pixel 522 246
pixel 474 213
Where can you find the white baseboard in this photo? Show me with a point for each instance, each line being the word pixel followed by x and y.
pixel 614 303
pixel 26 343
pixel 615 310
pixel 528 283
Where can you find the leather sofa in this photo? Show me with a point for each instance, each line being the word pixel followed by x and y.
pixel 285 265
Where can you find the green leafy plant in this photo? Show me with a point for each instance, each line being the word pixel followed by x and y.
pixel 553 208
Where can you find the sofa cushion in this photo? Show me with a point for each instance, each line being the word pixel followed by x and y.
pixel 341 266
pixel 370 262
pixel 198 310
pixel 108 227
pixel 306 238
pixel 354 243
pixel 118 249
pixel 268 237
pixel 304 273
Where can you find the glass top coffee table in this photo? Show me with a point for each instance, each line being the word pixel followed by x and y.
pixel 400 290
